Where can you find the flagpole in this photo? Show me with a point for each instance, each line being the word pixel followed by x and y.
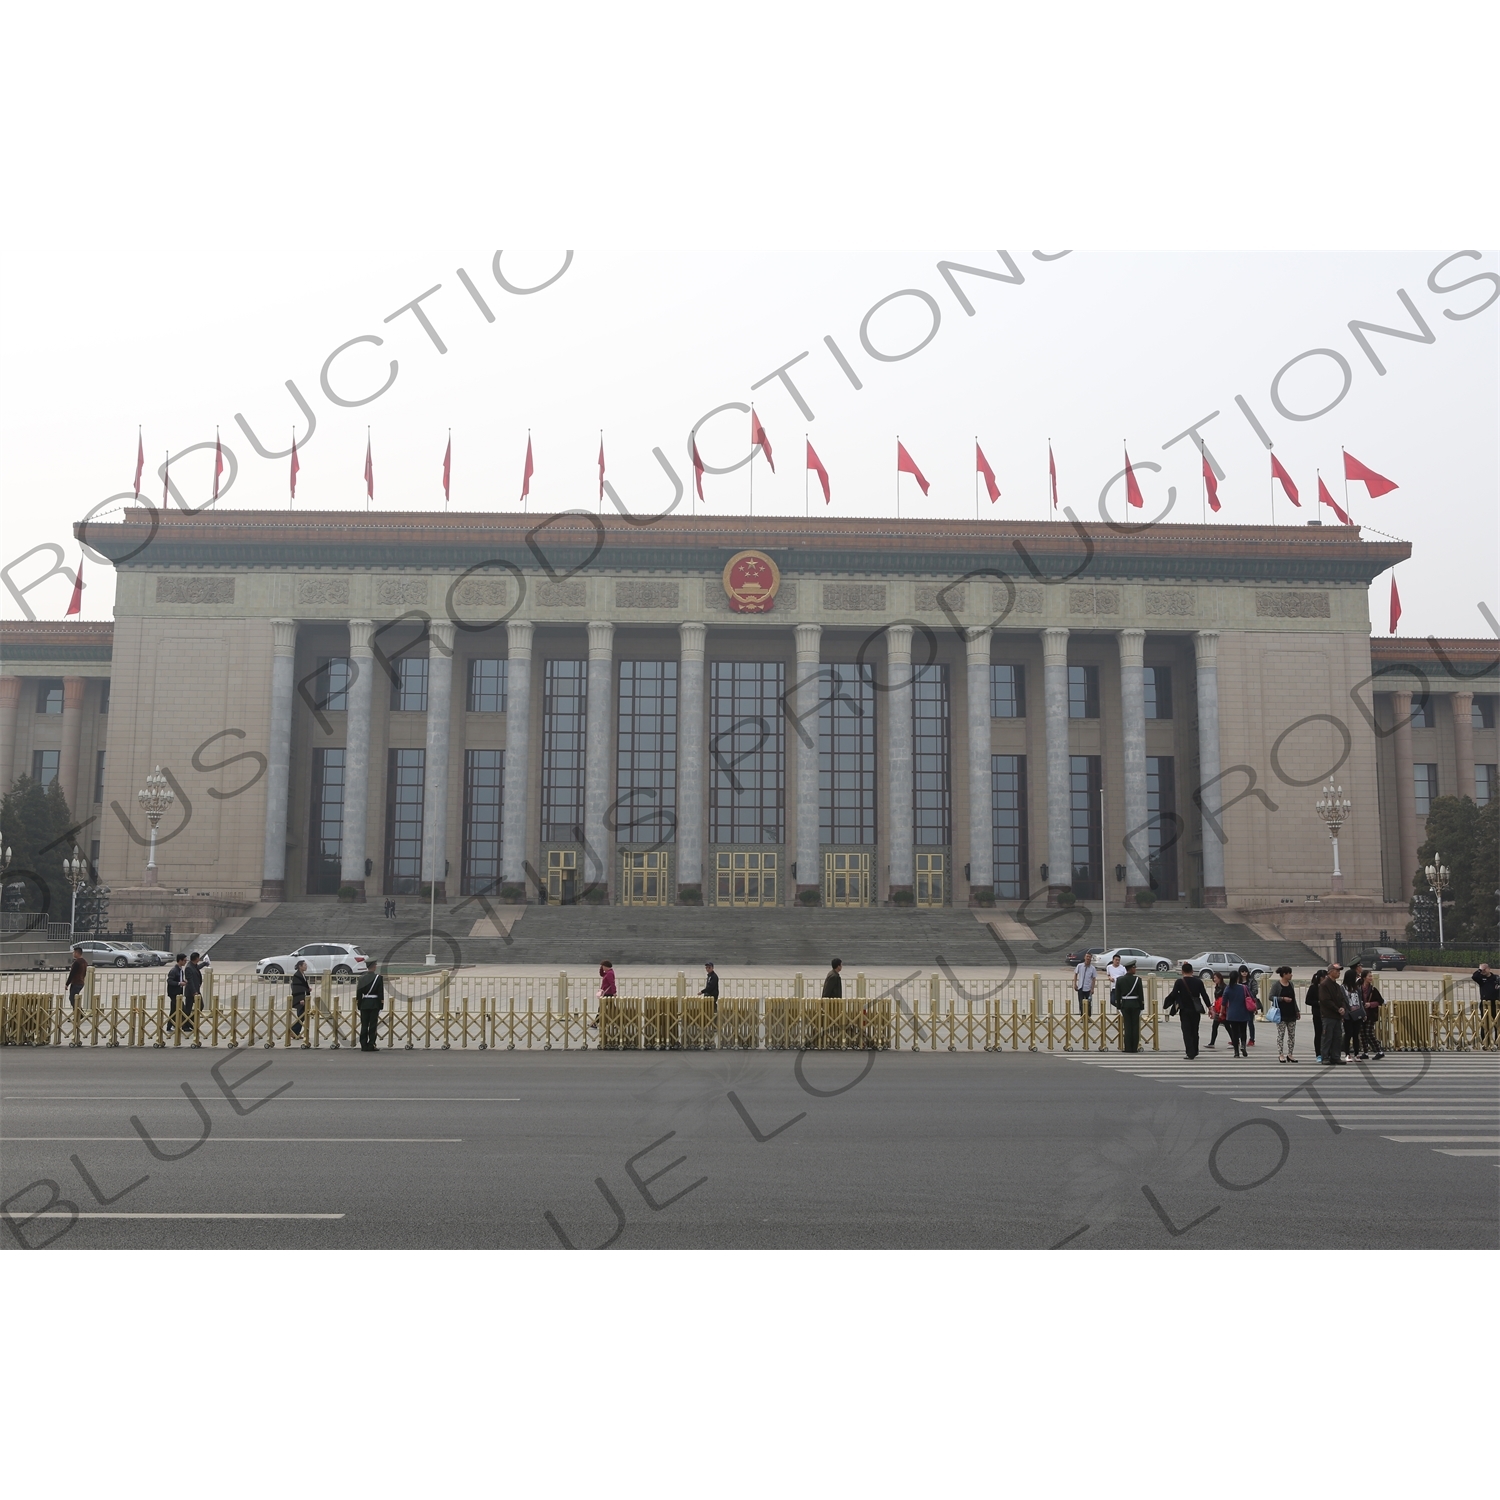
pixel 291 503
pixel 898 476
pixel 601 474
pixel 1203 491
pixel 1273 499
pixel 806 489
pixel 976 476
pixel 1344 453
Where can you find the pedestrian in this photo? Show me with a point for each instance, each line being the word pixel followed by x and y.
pixel 1370 1002
pixel 192 982
pixel 371 995
pixel 1129 998
pixel 1188 1001
pixel 1315 1010
pixel 607 980
pixel 1354 1010
pixel 176 987
pixel 1489 1001
pixel 711 984
pixel 1237 1013
pixel 301 990
pixel 1218 1008
pixel 1284 1014
pixel 833 985
pixel 1333 1003
pixel 1084 978
pixel 1114 971
pixel 1251 987
pixel 78 973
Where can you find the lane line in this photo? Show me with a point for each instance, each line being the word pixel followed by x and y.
pixel 308 1098
pixel 1494 1152
pixel 236 1140
pixel 1446 1140
pixel 57 1213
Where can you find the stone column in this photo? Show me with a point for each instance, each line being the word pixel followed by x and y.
pixel 1206 648
pixel 981 816
pixel 10 699
pixel 435 782
pixel 898 762
pixel 598 857
pixel 690 743
pixel 514 820
pixel 360 697
pixel 1133 725
pixel 72 734
pixel 809 855
pixel 1462 707
pixel 1059 765
pixel 279 759
pixel 1408 832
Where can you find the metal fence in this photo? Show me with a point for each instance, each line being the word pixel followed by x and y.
pixel 446 1010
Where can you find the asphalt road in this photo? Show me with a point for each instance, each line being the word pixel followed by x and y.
pixel 755 1150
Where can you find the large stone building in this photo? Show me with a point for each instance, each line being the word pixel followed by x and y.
pixel 748 712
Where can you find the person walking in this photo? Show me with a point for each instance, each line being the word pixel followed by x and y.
pixel 1188 1001
pixel 607 980
pixel 1333 1004
pixel 192 982
pixel 1488 984
pixel 1283 1011
pixel 1217 1005
pixel 1251 987
pixel 1370 1002
pixel 371 995
pixel 1129 998
pixel 711 984
pixel 1354 1010
pixel 1237 1015
pixel 1085 976
pixel 833 984
pixel 301 991
pixel 78 973
pixel 176 987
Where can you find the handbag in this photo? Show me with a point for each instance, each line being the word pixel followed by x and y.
pixel 1251 1004
pixel 1273 1015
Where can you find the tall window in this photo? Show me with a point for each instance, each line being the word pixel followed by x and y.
pixel 487 680
pixel 403 821
pixel 1484 785
pixel 846 754
pixel 484 773
pixel 1482 711
pixel 1007 691
pixel 932 793
pixel 44 766
pixel 1424 773
pixel 746 753
pixel 1008 816
pixel 1162 827
pixel 646 753
pixel 49 696
pixel 564 724
pixel 1423 712
pixel 104 696
pixel 409 688
pixel 326 843
pixel 1085 779
pixel 99 776
pixel 1158 692
pixel 1083 692
pixel 331 684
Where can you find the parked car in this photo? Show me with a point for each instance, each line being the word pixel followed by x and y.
pixel 1226 963
pixel 342 960
pixel 1382 958
pixel 108 955
pixel 1103 957
pixel 151 957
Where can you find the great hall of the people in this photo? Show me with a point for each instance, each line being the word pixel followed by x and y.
pixel 747 712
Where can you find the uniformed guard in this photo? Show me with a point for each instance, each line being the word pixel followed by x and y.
pixel 1129 998
pixel 371 992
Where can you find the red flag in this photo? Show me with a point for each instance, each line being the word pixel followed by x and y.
pixel 758 435
pixel 1277 472
pixel 140 463
pixel 447 467
pixel 528 471
pixel 983 467
pixel 75 605
pixel 1052 470
pixel 295 466
pixel 1377 484
pixel 905 464
pixel 1212 483
pixel 1133 494
pixel 697 469
pixel 369 469
pixel 1331 503
pixel 218 462
pixel 816 465
pixel 601 466
pixel 1395 601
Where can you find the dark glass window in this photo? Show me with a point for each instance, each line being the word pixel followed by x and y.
pixel 44 766
pixel 564 723
pixel 1086 778
pixel 1163 829
pixel 403 821
pixel 932 792
pixel 326 844
pixel 846 754
pixel 1158 692
pixel 1007 691
pixel 484 780
pixel 1484 785
pixel 99 776
pixel 646 753
pixel 487 678
pixel 409 686
pixel 1424 774
pixel 331 685
pixel 1423 712
pixel 104 696
pixel 1083 692
pixel 1008 813
pixel 1482 713
pixel 747 753
pixel 49 696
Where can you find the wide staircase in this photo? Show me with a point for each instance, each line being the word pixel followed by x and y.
pixel 684 937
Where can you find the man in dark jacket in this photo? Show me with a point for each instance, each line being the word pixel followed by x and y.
pixel 1332 1002
pixel 1189 1002
pixel 176 986
pixel 1129 998
pixel 833 985
pixel 1489 999
pixel 192 987
pixel 371 992
pixel 78 973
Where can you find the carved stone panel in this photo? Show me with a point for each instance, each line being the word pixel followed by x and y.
pixel 323 591
pixel 646 593
pixel 570 593
pixel 933 596
pixel 1028 599
pixel 1093 601
pixel 494 591
pixel 402 593
pixel 1292 604
pixel 854 596
pixel 1170 602
pixel 178 590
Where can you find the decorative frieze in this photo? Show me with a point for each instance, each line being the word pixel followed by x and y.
pixel 570 593
pixel 1170 602
pixel 1093 601
pixel 1291 604
pixel 935 596
pixel 402 593
pixel 646 593
pixel 179 590
pixel 854 596
pixel 323 591
pixel 493 591
pixel 1028 599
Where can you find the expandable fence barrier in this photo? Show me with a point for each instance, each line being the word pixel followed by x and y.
pixel 448 1010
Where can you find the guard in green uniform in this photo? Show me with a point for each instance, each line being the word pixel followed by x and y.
pixel 1129 998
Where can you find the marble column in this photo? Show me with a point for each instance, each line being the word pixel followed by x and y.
pixel 691 738
pixel 1461 705
pixel 72 735
pixel 435 780
pixel 898 763
pixel 809 855
pixel 360 697
pixel 599 761
pixel 1408 832
pixel 1206 649
pixel 1137 843
pixel 981 815
pixel 1059 764
pixel 278 759
pixel 10 699
pixel 514 820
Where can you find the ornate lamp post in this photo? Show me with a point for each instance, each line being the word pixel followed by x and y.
pixel 1438 877
pixel 1334 807
pixel 155 798
pixel 76 871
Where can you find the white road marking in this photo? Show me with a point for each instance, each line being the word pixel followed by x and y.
pixel 236 1140
pixel 1447 1140
pixel 307 1098
pixel 1442 1151
pixel 57 1213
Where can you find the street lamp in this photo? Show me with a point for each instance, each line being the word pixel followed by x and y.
pixel 76 871
pixel 1334 807
pixel 155 798
pixel 1438 877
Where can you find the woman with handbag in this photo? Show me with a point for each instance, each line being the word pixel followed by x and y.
pixel 301 990
pixel 1371 1001
pixel 1354 1010
pixel 1217 1006
pixel 1238 1008
pixel 1251 987
pixel 1283 1014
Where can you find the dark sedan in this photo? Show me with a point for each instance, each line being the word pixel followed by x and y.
pixel 1382 958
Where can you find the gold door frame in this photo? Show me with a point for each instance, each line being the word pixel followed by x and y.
pixel 645 877
pixel 747 877
pixel 931 879
pixel 846 878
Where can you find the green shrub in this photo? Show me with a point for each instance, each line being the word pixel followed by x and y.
pixel 690 895
pixel 1065 897
pixel 348 893
pixel 903 898
pixel 812 896
pixel 1145 899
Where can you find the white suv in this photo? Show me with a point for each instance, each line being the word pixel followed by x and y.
pixel 342 960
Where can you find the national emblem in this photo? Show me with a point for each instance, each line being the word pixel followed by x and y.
pixel 751 580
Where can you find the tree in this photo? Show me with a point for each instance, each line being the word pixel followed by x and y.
pixel 1468 839
pixel 36 823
